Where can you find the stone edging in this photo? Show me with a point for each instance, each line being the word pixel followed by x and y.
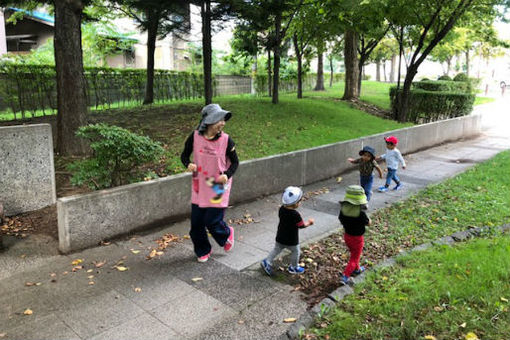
pixel 307 319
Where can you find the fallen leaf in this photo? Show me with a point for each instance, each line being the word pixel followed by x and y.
pixel 90 277
pixel 430 337
pixel 53 274
pixel 289 320
pixel 471 336
pixel 186 237
pixel 438 308
pixel 159 253
pixel 90 270
pixel 138 289
pixel 99 264
pixel 75 269
pixel 135 251
pixel 91 283
pixel 29 284
pixel 121 268
pixel 196 279
pixel 240 322
pixel 503 299
pixel 28 311
pixel 103 243
pixel 76 262
pixel 463 325
pixel 339 179
pixel 2 335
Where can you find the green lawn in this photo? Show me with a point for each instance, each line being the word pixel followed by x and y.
pixel 442 293
pixel 478 197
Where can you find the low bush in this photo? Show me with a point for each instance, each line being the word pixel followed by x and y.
pixel 118 154
pixel 428 106
pixel 461 77
pixel 443 85
pixel 444 77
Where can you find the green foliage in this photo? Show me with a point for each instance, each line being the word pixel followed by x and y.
pixel 461 77
pixel 117 155
pixel 428 106
pixel 442 85
pixel 444 77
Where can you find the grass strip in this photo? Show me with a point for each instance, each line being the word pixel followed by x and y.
pixel 459 292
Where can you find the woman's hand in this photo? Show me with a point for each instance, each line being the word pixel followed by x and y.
pixel 223 179
pixel 192 167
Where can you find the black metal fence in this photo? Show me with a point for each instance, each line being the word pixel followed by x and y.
pixel 30 90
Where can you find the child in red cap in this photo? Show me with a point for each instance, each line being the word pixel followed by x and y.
pixel 393 157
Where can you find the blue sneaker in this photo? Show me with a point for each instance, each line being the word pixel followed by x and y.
pixel 358 271
pixel 344 280
pixel 267 267
pixel 382 189
pixel 296 270
pixel 398 186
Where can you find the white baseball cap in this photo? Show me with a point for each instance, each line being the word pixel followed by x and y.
pixel 292 195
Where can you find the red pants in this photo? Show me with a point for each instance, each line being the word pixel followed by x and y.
pixel 355 245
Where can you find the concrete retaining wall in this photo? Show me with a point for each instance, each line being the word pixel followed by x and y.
pixel 27 174
pixel 85 220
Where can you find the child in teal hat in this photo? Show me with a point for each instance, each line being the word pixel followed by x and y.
pixel 354 219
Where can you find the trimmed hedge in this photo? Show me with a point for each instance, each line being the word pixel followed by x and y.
pixel 442 85
pixel 289 83
pixel 428 106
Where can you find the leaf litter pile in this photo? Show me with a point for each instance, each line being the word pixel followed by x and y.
pixel 326 259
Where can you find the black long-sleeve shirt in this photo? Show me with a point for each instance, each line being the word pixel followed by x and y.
pixel 230 153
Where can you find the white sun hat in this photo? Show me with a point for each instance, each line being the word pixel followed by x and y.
pixel 292 195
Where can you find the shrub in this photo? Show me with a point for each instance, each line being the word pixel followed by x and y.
pixel 442 85
pixel 118 154
pixel 444 77
pixel 428 106
pixel 461 77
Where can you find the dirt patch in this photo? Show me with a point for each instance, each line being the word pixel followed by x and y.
pixel 42 221
pixel 370 108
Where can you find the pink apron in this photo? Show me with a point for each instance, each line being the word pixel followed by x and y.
pixel 209 156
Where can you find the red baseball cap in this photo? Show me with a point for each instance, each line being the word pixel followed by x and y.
pixel 391 139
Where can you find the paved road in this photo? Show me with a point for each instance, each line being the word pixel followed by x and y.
pixel 174 297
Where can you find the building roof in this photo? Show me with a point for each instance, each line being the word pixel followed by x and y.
pixel 39 16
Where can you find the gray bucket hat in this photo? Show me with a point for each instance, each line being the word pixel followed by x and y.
pixel 211 114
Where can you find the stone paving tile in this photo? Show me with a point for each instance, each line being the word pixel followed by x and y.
pixel 192 314
pixel 263 320
pixel 142 327
pixel 237 290
pixel 98 313
pixel 47 327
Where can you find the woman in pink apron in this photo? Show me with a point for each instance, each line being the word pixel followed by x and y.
pixel 214 162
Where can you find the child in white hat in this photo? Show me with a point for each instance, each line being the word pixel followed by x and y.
pixel 287 236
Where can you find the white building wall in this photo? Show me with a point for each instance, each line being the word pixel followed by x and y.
pixel 3 41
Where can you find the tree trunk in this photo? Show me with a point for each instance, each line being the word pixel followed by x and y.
pixel 254 75
pixel 207 50
pixel 392 68
pixel 448 65
pixel 319 85
pixel 467 62
pixel 269 74
pixel 152 33
pixel 403 107
pixel 351 65
pixel 71 83
pixel 384 71
pixel 276 58
pixel 331 73
pixel 378 70
pixel 299 58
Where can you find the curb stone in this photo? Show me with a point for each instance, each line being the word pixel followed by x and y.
pixel 307 319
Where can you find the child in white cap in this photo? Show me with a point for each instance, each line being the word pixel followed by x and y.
pixel 287 236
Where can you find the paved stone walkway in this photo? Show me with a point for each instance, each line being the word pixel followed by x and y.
pixel 174 297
